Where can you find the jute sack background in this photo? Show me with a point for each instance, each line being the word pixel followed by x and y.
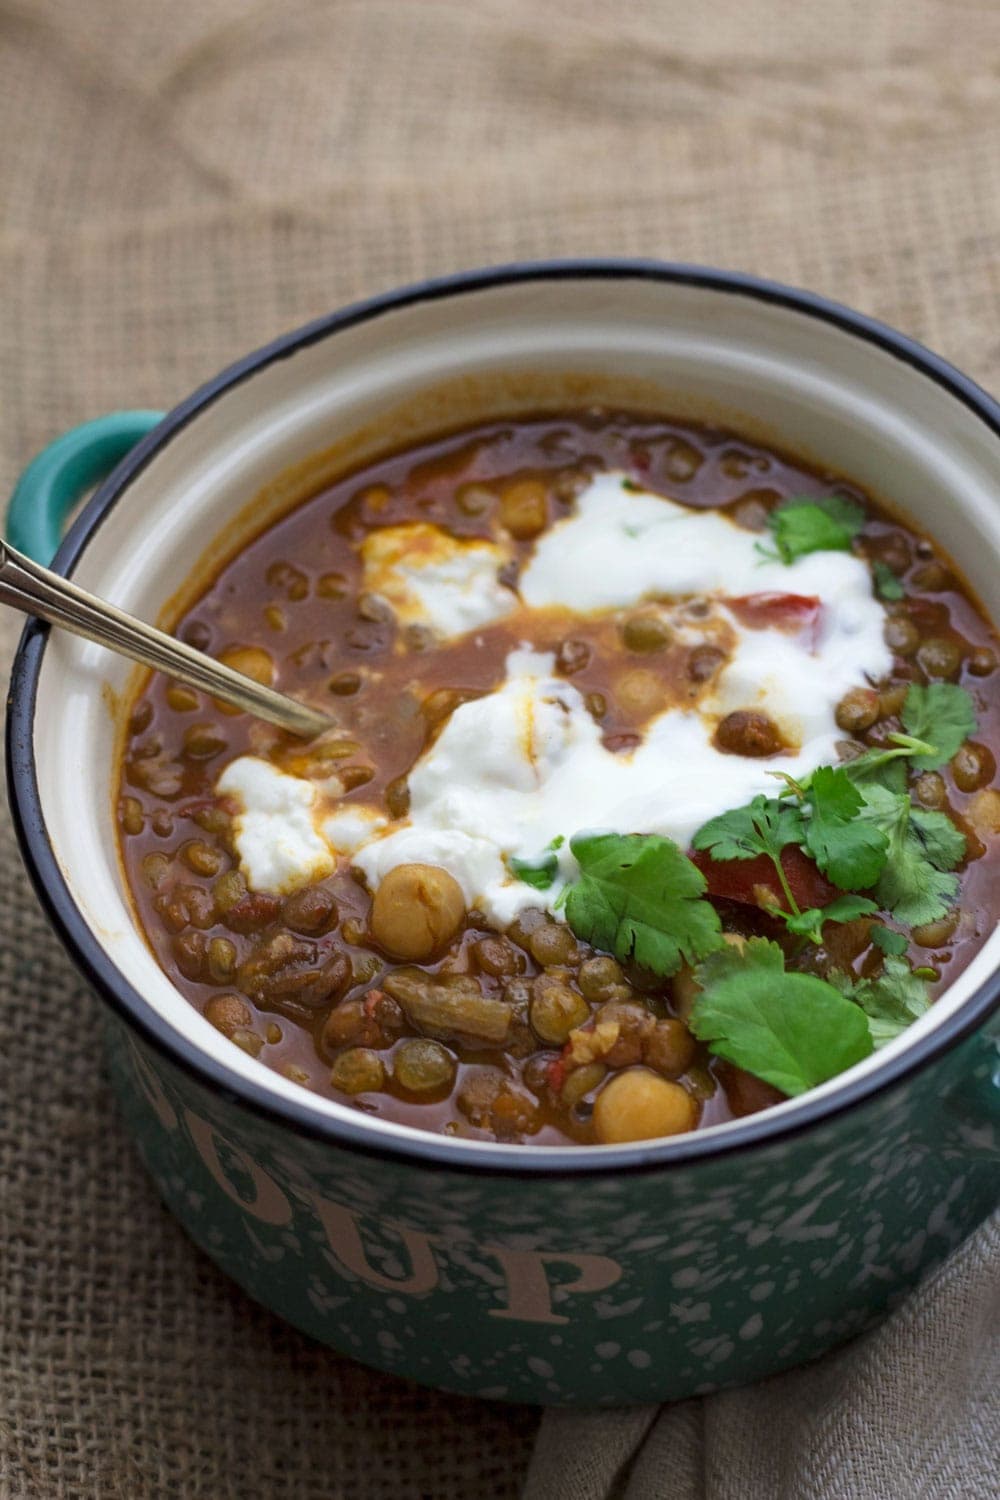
pixel 181 182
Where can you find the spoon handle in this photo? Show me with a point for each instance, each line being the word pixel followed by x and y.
pixel 37 591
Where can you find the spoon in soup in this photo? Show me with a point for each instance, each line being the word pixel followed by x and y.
pixel 38 591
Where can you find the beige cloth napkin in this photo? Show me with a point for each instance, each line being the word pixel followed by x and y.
pixel 179 182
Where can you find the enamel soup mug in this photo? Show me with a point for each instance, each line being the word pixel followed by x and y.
pixel 607 1274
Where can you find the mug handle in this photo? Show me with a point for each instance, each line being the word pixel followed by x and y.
pixel 64 470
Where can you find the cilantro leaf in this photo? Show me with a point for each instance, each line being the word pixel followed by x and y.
pixel 792 1030
pixel 891 942
pixel 810 923
pixel 827 524
pixel 892 1001
pixel 943 843
pixel 913 885
pixel 640 898
pixel 877 767
pixel 887 585
pixel 852 851
pixel 943 715
pixel 539 874
pixel 763 826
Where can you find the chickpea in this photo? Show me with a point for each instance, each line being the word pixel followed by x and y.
pixel 940 656
pixel 523 510
pixel 646 634
pixel 552 944
pixel 359 1070
pixel 747 732
pixel 984 812
pixel 857 710
pixel 422 1066
pixel 901 635
pixel 638 1105
pixel 973 766
pixel 596 705
pixel 556 1010
pixel 227 1012
pixel 416 912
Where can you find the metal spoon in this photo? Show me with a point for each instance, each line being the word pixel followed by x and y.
pixel 38 591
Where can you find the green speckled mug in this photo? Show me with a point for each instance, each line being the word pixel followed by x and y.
pixel 606 1275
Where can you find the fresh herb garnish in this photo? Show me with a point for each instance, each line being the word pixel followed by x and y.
pixel 891 1001
pixel 767 826
pixel 923 846
pixel 942 714
pixel 792 1030
pixel 639 897
pixel 887 585
pixel 763 826
pixel 539 874
pixel 827 524
pixel 849 850
pixel 809 924
pixel 936 718
pixel 891 942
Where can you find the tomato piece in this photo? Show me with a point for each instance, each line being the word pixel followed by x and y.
pixel 749 880
pixel 771 611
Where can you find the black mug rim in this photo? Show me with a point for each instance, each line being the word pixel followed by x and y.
pixel 430 1149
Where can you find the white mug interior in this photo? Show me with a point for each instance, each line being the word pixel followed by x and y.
pixel 773 371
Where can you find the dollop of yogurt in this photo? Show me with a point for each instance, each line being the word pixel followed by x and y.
pixel 525 766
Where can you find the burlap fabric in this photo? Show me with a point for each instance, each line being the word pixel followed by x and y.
pixel 179 182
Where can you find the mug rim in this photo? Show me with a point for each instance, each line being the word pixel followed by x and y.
pixel 427 1148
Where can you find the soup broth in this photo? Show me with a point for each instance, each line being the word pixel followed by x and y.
pixel 515 644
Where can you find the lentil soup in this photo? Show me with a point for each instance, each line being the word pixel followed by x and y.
pixel 773 701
